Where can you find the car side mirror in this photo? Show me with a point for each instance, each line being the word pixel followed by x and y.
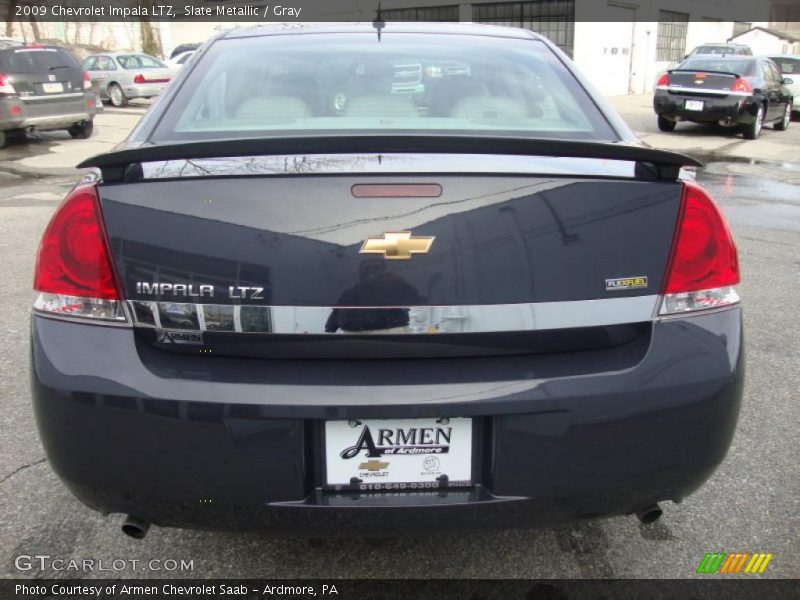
pixel 787 81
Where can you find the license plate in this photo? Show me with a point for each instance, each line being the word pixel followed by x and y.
pixel 398 454
pixel 53 88
pixel 693 105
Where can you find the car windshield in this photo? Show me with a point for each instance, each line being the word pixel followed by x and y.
pixel 787 66
pixel 715 50
pixel 35 60
pixel 138 61
pixel 354 82
pixel 739 66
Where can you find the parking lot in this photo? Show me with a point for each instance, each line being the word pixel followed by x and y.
pixel 751 504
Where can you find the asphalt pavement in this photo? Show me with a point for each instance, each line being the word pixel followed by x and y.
pixel 751 504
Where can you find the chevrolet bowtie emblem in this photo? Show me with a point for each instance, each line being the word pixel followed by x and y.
pixel 373 465
pixel 397 246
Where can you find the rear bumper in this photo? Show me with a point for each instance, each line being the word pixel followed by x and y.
pixel 733 109
pixel 224 443
pixel 47 113
pixel 145 90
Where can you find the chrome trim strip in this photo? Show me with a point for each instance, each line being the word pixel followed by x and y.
pixel 51 96
pixel 376 164
pixel 312 320
pixel 709 91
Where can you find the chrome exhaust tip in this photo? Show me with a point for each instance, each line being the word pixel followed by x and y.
pixel 649 514
pixel 135 527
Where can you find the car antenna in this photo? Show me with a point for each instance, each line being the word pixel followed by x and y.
pixel 379 23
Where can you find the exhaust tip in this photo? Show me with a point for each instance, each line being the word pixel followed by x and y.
pixel 649 514
pixel 135 527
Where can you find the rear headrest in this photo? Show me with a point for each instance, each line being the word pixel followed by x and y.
pixel 272 108
pixel 381 106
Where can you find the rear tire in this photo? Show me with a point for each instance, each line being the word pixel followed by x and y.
pixel 665 124
pixel 81 131
pixel 2 139
pixel 753 130
pixel 117 96
pixel 783 124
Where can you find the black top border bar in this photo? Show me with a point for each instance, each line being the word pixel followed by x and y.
pixel 297 11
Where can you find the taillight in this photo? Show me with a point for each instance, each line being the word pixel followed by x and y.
pixel 5 85
pixel 139 78
pixel 703 268
pixel 74 274
pixel 741 86
pixel 663 81
pixel 87 81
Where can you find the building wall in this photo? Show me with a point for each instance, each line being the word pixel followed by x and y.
pixel 763 42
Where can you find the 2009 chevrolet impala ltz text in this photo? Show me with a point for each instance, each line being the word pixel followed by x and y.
pixel 401 278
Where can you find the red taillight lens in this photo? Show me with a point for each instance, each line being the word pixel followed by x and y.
pixel 87 81
pixel 5 85
pixel 663 81
pixel 741 85
pixel 704 254
pixel 138 79
pixel 73 258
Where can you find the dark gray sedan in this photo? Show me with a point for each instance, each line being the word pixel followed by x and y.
pixel 301 297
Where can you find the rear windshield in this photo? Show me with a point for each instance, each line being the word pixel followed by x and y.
pixel 739 66
pixel 354 82
pixel 787 66
pixel 35 60
pixel 719 50
pixel 138 61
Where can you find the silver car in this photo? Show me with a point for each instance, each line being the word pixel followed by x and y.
pixel 124 76
pixel 789 66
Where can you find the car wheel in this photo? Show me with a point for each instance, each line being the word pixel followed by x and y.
pixel 752 131
pixel 665 124
pixel 2 139
pixel 783 124
pixel 116 95
pixel 82 131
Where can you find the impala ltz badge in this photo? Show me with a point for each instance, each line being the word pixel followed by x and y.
pixel 398 245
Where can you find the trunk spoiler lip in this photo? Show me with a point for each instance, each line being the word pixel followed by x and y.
pixel 658 164
pixel 731 73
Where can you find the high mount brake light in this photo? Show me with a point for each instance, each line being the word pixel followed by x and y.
pixel 74 274
pixel 703 269
pixel 741 85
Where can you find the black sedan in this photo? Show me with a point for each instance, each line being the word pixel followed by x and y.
pixel 733 91
pixel 301 297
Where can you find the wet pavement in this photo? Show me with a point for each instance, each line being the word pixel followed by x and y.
pixel 750 504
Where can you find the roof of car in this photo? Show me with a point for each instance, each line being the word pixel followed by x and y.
pixel 389 28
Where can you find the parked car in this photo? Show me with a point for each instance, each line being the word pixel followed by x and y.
pixel 789 66
pixel 180 49
pixel 126 76
pixel 733 91
pixel 176 64
pixel 263 312
pixel 43 88
pixel 722 49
